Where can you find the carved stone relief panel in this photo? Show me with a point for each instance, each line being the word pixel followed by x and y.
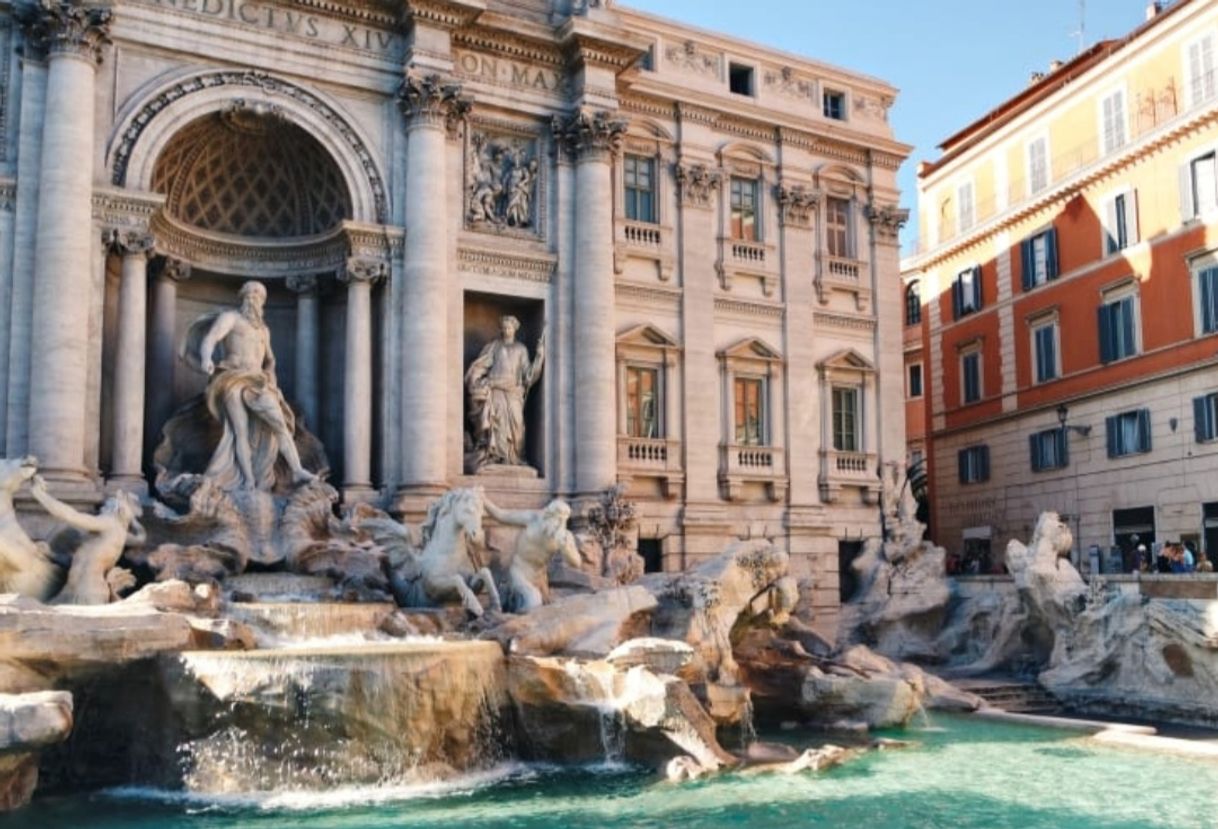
pixel 503 182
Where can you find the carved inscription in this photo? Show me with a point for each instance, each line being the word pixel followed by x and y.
pixel 506 72
pixel 276 18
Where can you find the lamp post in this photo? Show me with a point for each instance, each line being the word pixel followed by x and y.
pixel 1063 412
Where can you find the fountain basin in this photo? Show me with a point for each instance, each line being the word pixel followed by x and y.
pixel 311 717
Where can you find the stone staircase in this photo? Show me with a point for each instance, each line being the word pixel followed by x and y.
pixel 1012 695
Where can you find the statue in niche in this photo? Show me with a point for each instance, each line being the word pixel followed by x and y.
pixel 502 182
pixel 498 383
pixel 244 396
pixel 544 534
pixel 95 577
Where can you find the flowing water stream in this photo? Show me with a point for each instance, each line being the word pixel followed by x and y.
pixel 964 774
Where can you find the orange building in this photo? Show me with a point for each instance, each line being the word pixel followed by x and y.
pixel 1062 306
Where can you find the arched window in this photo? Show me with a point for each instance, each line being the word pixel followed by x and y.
pixel 913 303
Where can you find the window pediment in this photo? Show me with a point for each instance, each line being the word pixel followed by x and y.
pixel 846 360
pixel 751 348
pixel 647 336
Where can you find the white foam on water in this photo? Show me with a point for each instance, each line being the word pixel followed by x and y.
pixel 337 798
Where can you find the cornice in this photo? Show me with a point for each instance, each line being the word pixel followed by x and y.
pixel 743 307
pixel 844 321
pixel 509 45
pixel 446 14
pixel 523 266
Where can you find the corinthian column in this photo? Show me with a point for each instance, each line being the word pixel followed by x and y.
pixel 359 275
pixel 162 346
pixel 431 104
pixel 134 246
pixel 305 286
pixel 73 36
pixel 593 139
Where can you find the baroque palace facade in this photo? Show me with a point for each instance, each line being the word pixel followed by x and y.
pixel 1062 312
pixel 704 231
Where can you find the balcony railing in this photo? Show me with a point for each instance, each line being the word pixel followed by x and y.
pixel 840 469
pixel 642 235
pixel 651 457
pixel 843 270
pixel 748 253
pixel 739 464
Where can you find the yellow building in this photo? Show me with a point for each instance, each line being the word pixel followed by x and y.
pixel 1068 275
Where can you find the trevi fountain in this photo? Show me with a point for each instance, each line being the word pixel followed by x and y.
pixel 575 338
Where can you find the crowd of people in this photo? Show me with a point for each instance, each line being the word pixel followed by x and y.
pixel 1171 557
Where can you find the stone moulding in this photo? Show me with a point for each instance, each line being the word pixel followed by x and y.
pixel 510 265
pixel 126 208
pixel 234 255
pixel 740 307
pixel 139 122
pixel 843 321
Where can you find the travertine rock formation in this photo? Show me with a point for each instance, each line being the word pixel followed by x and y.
pixel 28 724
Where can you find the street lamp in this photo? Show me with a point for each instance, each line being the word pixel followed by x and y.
pixel 1084 431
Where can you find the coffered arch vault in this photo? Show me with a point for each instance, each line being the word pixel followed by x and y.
pixel 156 113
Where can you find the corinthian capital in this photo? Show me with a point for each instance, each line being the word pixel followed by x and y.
pixel 589 133
pixel 432 99
pixel 128 241
pixel 887 220
pixel 361 269
pixel 66 27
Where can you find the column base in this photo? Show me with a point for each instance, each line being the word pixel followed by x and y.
pixel 135 484
pixel 360 494
pixel 410 501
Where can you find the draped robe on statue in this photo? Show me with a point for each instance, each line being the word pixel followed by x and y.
pixel 498 382
pixel 259 393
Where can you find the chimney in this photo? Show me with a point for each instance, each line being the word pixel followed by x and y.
pixel 1153 8
pixel 1035 78
pixel 1054 65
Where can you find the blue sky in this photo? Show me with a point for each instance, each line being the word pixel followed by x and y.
pixel 953 60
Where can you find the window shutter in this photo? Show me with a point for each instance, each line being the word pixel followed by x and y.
pixel 1063 446
pixel 957 305
pixel 1144 430
pixel 1110 226
pixel 1025 255
pixel 1202 428
pixel 977 297
pixel 984 452
pixel 1105 329
pixel 962 464
pixel 1128 315
pixel 1051 253
pixel 1187 209
pixel 1131 217
pixel 1205 288
pixel 1112 428
pixel 1033 449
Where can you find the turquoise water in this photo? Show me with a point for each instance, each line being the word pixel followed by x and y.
pixel 964 773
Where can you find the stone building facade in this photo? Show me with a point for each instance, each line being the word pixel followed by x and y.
pixel 1068 292
pixel 704 230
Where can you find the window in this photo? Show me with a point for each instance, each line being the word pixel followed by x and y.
pixel 1038 165
pixel 1128 433
pixel 1112 116
pixel 964 206
pixel 643 402
pixel 1038 255
pixel 1201 85
pixel 835 105
pixel 974 464
pixel 913 303
pixel 1048 449
pixel 1120 222
pixel 750 411
pixel 915 380
pixel 1207 299
pixel 1131 527
pixel 1118 327
pixel 966 292
pixel 1205 417
pixel 745 226
pixel 1209 525
pixel 970 376
pixel 1044 351
pixel 846 420
pixel 740 79
pixel 837 226
pixel 1198 187
pixel 639 175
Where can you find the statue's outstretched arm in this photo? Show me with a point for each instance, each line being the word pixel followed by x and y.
pixel 60 510
pixel 137 536
pixel 518 518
